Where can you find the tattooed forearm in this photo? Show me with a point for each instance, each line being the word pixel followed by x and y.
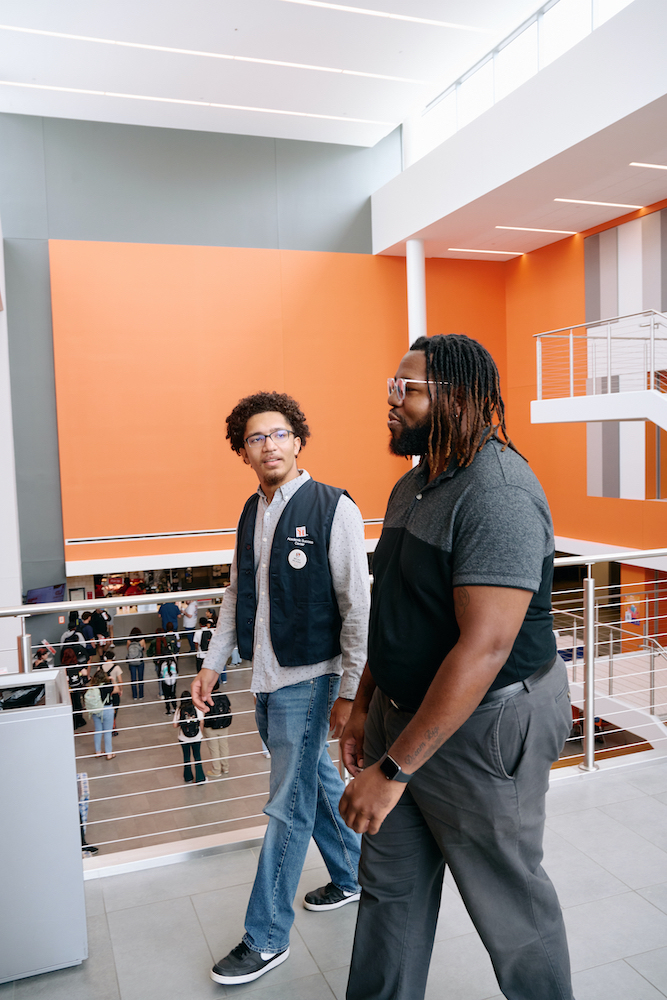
pixel 461 601
pixel 412 757
pixel 431 734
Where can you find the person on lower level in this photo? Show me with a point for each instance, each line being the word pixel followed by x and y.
pixel 297 606
pixel 463 706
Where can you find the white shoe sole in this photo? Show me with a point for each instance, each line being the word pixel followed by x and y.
pixel 320 907
pixel 232 980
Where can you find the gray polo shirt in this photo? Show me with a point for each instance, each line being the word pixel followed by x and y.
pixel 485 525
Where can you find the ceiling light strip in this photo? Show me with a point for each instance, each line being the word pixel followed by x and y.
pixel 207 55
pixel 511 253
pixel 394 17
pixel 652 166
pixel 197 104
pixel 609 204
pixel 530 229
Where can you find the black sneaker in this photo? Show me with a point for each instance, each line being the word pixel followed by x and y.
pixel 242 965
pixel 329 897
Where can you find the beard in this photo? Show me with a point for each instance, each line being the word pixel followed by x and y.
pixel 411 440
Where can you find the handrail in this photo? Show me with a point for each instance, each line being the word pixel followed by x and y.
pixel 617 556
pixel 602 322
pixel 25 610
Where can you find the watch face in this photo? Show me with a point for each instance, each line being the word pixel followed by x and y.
pixel 389 767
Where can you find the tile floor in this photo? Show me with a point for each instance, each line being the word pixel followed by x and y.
pixel 154 933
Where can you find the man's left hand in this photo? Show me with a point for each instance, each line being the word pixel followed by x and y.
pixel 369 799
pixel 340 713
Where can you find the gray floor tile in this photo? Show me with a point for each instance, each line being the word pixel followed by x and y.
pixel 625 854
pixel 7 991
pixel 588 791
pixel 624 926
pixel 647 817
pixel 651 780
pixel 94 897
pixel 308 988
pixel 328 936
pixel 616 981
pixel 577 878
pixel 463 964
pixel 453 919
pixel 160 951
pixel 656 894
pixel 337 980
pixel 96 977
pixel 652 966
pixel 178 880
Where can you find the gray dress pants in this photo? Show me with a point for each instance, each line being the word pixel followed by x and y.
pixel 478 806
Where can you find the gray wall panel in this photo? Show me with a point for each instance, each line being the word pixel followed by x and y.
pixel 592 279
pixel 324 192
pixel 22 178
pixel 129 184
pixel 34 412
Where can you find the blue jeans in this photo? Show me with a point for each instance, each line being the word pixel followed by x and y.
pixel 305 790
pixel 103 724
pixel 137 675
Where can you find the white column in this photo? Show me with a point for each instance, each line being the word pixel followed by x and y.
pixel 415 266
pixel 10 553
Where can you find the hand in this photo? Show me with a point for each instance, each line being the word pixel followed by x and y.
pixel 352 743
pixel 340 713
pixel 369 799
pixel 201 688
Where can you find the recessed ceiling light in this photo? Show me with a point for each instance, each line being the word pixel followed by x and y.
pixel 653 166
pixel 511 253
pixel 207 55
pixel 529 229
pixel 394 17
pixel 197 104
pixel 610 204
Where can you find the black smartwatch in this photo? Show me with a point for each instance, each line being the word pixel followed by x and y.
pixel 391 770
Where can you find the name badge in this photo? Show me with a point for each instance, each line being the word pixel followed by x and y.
pixel 297 559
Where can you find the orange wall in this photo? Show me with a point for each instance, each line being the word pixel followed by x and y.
pixel 155 344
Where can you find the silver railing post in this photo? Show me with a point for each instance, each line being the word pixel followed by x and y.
pixel 651 376
pixel 588 763
pixel 574 650
pixel 652 682
pixel 571 362
pixel 539 367
pixel 611 662
pixel 608 357
pixel 24 643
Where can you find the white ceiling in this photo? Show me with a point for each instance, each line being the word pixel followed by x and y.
pixel 137 85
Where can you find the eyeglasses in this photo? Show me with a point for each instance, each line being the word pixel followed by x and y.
pixel 257 440
pixel 400 385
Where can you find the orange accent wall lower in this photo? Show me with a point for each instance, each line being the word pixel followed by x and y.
pixel 155 344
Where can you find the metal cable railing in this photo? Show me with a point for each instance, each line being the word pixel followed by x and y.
pixel 139 796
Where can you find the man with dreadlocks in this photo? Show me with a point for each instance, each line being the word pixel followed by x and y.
pixel 297 606
pixel 463 705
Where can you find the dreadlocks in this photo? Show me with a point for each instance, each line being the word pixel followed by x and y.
pixel 466 397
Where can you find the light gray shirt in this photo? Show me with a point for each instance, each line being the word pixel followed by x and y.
pixel 349 574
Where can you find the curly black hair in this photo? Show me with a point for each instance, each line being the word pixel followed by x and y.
pixel 461 371
pixel 265 402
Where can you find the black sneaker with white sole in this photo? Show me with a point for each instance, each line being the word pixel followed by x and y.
pixel 242 965
pixel 329 897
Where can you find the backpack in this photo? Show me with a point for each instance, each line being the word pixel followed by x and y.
pixel 219 716
pixel 152 647
pixel 134 653
pixel 168 671
pixel 93 701
pixel 189 725
pixel 73 640
pixel 206 637
pixel 171 643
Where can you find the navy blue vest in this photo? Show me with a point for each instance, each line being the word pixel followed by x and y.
pixel 305 620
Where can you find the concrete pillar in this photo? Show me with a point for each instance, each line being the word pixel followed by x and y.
pixel 416 281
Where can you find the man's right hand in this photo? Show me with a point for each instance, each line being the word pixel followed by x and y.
pixel 201 688
pixel 352 742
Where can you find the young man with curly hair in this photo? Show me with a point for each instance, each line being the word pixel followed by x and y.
pixel 297 606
